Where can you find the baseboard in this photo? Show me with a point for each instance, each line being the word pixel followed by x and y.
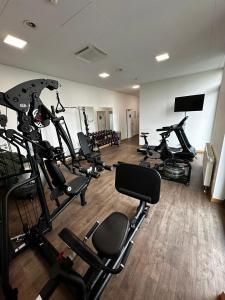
pixel 218 201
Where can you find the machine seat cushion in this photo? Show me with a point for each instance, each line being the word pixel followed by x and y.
pixel 78 184
pixel 110 236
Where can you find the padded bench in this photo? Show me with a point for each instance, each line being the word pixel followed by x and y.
pixel 74 188
pixel 108 239
pixel 111 235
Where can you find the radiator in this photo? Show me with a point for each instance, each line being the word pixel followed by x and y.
pixel 208 163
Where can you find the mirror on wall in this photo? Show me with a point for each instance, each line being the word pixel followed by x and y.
pixel 104 116
pixel 97 118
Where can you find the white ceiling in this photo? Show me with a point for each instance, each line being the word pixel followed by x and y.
pixel 132 32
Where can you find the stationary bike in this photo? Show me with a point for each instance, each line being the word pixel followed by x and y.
pixel 161 151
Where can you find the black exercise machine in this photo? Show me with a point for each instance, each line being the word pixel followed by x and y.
pixel 112 239
pixel 175 165
pixel 186 151
pixel 33 115
pixel 93 157
pixel 60 109
pixel 172 169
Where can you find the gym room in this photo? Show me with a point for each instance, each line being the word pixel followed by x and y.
pixel 112 149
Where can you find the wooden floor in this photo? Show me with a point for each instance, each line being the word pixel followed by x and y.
pixel 179 253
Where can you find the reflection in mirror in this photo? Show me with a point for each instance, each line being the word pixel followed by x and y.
pixel 104 116
pixel 87 123
pixel 97 124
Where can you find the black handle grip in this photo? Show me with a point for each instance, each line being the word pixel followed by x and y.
pixel 100 163
pixel 60 110
pixel 163 129
pixel 118 163
pixel 81 249
pixel 92 230
pixel 108 168
pixel 95 174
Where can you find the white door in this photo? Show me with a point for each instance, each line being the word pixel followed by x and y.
pixel 131 123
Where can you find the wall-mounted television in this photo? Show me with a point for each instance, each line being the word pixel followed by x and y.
pixel 189 103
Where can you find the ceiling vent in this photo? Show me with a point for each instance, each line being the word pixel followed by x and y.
pixel 90 54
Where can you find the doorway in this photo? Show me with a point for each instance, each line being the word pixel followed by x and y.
pixel 131 117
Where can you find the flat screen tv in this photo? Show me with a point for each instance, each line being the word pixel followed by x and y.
pixel 189 103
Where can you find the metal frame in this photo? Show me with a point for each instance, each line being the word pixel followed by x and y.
pixel 94 281
pixel 25 100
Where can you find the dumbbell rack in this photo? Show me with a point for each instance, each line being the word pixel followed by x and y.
pixel 105 137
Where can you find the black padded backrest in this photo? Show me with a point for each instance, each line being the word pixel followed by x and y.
pixel 56 174
pixel 138 182
pixel 84 143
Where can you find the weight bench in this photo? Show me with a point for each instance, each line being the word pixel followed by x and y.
pixel 86 149
pixel 112 239
pixel 94 157
pixel 76 187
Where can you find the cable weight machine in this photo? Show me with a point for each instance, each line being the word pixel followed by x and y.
pixel 33 115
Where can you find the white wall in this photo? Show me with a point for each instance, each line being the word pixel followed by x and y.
pixel 71 94
pixel 218 143
pixel 219 187
pixel 157 106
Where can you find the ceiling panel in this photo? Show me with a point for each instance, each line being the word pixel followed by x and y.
pixel 85 28
pixel 132 32
pixel 47 16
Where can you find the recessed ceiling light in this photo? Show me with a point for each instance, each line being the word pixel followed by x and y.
pixel 104 75
pixel 162 57
pixel 136 86
pixel 14 41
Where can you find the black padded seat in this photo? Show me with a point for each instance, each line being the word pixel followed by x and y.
pixel 78 184
pixel 110 236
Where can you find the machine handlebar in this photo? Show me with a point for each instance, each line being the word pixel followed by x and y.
pixel 182 121
pixel 173 127
pixel 164 128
